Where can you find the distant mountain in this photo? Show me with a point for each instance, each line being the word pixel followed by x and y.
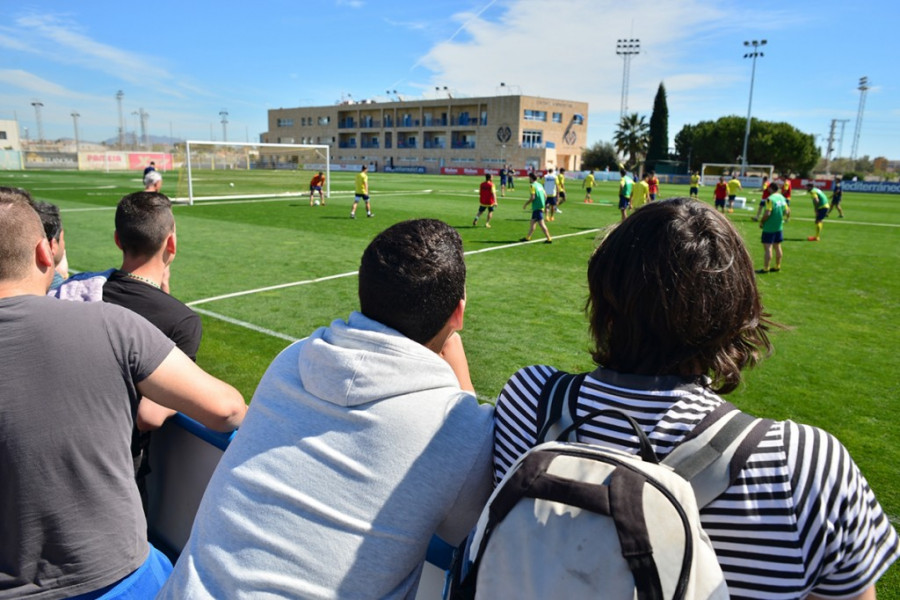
pixel 155 140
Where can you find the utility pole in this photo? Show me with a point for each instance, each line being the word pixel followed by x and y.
pixel 224 114
pixel 75 116
pixel 843 123
pixel 626 49
pixel 830 147
pixel 145 137
pixel 119 96
pixel 863 88
pixel 38 105
pixel 752 54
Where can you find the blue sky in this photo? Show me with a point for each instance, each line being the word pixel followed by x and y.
pixel 184 62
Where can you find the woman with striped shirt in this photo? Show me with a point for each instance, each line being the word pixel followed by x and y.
pixel 675 316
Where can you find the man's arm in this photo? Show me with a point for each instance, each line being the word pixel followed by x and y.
pixel 765 217
pixel 179 384
pixel 151 415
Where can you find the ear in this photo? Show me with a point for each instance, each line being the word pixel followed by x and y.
pixel 116 237
pixel 171 243
pixel 457 316
pixel 43 255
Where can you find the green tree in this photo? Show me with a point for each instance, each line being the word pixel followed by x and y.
pixel 779 144
pixel 631 138
pixel 658 147
pixel 684 147
pixel 600 156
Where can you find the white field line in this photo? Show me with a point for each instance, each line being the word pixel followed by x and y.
pixel 281 286
pixel 246 325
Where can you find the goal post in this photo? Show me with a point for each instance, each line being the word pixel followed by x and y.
pixel 752 178
pixel 210 170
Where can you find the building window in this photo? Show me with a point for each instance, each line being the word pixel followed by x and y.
pixel 285 123
pixel 324 120
pixel 535 115
pixel 578 119
pixel 557 117
pixel 2 135
pixel 532 138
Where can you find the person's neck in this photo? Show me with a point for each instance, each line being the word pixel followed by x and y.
pixel 149 271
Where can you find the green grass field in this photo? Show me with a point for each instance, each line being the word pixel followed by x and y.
pixel 265 271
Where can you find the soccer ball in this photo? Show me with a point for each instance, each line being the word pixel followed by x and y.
pixel 316 202
pixel 231 184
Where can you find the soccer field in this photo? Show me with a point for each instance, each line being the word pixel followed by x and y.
pixel 266 271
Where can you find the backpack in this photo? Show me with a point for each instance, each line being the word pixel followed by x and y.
pixel 573 520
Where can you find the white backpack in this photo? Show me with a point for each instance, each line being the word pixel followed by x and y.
pixel 572 520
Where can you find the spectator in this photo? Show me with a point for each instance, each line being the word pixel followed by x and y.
pixel 53 228
pixel 152 181
pixel 70 378
pixel 361 442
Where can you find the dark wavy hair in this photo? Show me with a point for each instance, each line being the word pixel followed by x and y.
pixel 672 292
pixel 412 276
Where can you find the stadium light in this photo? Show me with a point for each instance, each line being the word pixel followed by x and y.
pixel 38 105
pixel 755 44
pixel 119 96
pixel 626 49
pixel 75 116
pixel 863 88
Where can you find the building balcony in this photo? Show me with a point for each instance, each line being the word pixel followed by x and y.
pixel 463 145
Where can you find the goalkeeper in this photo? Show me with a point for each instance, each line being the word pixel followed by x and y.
pixel 315 185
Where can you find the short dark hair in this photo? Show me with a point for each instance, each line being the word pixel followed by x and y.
pixel 487 177
pixel 412 277
pixel 672 292
pixel 143 222
pixel 49 214
pixel 20 227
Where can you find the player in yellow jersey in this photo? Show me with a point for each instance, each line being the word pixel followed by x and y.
pixel 820 204
pixel 587 185
pixel 734 186
pixel 642 191
pixel 362 192
pixel 560 188
pixel 695 185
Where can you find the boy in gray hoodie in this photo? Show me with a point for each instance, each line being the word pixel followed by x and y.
pixel 361 441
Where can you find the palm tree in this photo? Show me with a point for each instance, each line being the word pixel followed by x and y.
pixel 632 138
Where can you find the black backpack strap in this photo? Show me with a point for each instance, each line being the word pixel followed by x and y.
pixel 556 405
pixel 712 455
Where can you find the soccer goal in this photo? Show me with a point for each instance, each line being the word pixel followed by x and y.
pixel 238 171
pixel 753 174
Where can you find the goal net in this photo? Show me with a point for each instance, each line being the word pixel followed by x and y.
pixel 235 170
pixel 753 174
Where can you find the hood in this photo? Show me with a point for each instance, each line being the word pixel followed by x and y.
pixel 359 361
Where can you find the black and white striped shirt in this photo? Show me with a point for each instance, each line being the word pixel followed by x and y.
pixel 800 519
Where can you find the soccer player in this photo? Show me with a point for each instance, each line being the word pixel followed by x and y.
pixel 786 189
pixel 510 178
pixel 362 192
pixel 734 186
pixel 538 200
pixel 653 182
pixel 487 198
pixel 766 192
pixel 720 193
pixel 626 188
pixel 549 181
pixel 503 178
pixel 642 190
pixel 315 185
pixel 561 188
pixel 587 185
pixel 836 196
pixel 820 204
pixel 695 185
pixel 772 226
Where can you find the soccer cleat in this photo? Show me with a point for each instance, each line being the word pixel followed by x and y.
pixel 762 271
pixel 488 225
pixel 754 218
pixel 352 216
pixel 525 239
pixel 776 269
pixel 548 241
pixel 559 211
pixel 370 215
pixel 812 238
pixel 474 222
pixel 731 210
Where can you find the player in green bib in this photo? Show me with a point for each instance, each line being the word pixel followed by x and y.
pixel 538 201
pixel 772 225
pixel 626 188
pixel 821 205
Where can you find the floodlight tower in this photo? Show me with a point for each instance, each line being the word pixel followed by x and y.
pixel 145 137
pixel 755 44
pixel 843 123
pixel 38 105
pixel 863 88
pixel 119 95
pixel 626 49
pixel 224 114
pixel 75 116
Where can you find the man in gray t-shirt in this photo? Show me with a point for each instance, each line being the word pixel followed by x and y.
pixel 71 375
